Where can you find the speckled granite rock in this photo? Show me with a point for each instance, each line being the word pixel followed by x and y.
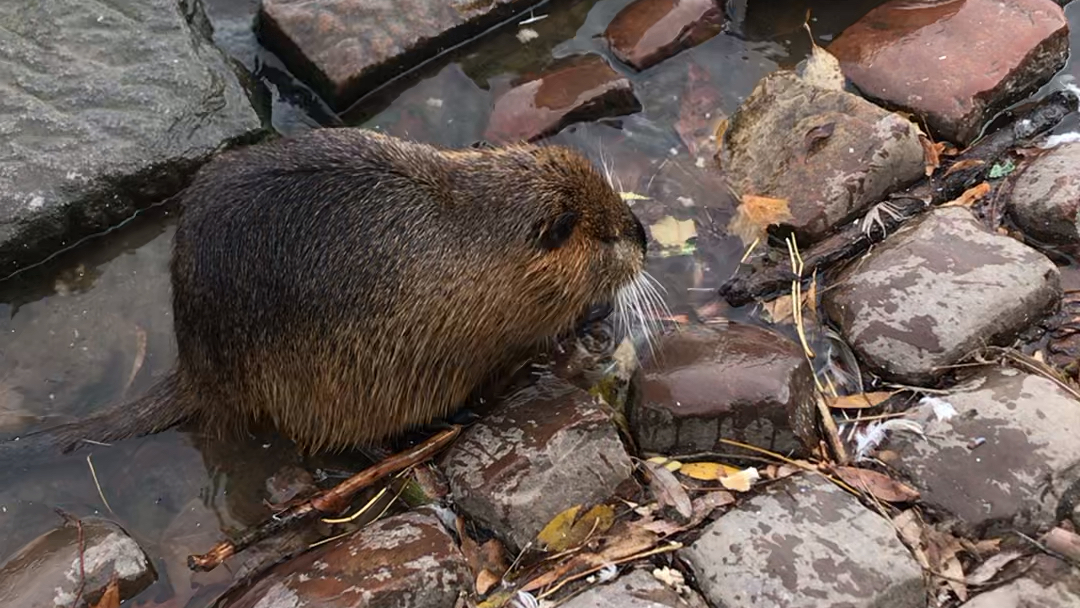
pixel 46 572
pixel 543 450
pixel 804 543
pixel 404 561
pixel 954 63
pixel 735 381
pixel 935 291
pixel 103 109
pixel 1003 461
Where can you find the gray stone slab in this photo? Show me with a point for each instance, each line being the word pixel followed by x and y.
pixel 804 543
pixel 638 589
pixel 1004 460
pixel 936 291
pixel 104 107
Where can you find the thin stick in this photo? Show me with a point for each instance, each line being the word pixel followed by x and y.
pixel 331 502
pixel 93 474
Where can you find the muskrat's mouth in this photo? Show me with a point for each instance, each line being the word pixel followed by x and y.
pixel 598 312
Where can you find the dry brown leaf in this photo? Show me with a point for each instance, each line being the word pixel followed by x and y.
pixel 989 569
pixel 876 484
pixel 779 309
pixel 754 216
pixel 111 597
pixel 707 471
pixel 741 481
pixel 566 530
pixel 970 196
pixel 962 165
pixel 911 531
pixel 942 550
pixel 859 401
pixel 626 540
pixel 485 581
pixel 668 491
pixel 810 299
pixel 931 154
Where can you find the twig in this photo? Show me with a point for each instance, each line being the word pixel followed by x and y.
pixel 331 502
pixel 101 493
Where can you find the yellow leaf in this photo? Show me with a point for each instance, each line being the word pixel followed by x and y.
pixel 970 196
pixel 671 233
pixel 667 463
pixel 632 196
pixel 741 481
pixel 707 471
pixel 859 401
pixel 566 530
pixel 754 216
pixel 111 597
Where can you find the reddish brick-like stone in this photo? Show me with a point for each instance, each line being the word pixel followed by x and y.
pixel 954 63
pixel 343 48
pixel 649 31
pixel 579 88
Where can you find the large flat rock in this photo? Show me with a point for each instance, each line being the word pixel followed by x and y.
pixel 937 290
pixel 804 543
pixel 954 63
pixel 1003 461
pixel 104 107
pixel 1046 196
pixel 343 48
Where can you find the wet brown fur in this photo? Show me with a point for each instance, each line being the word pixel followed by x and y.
pixel 346 286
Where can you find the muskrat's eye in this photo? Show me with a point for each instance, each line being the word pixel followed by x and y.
pixel 552 234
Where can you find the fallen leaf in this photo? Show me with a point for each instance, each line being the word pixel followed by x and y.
pixel 970 196
pixel 755 214
pixel 821 69
pixel 876 484
pixel 1000 170
pixel 111 597
pixel 668 491
pixel 988 569
pixel 667 463
pixel 698 112
pixel 931 154
pixel 625 540
pixel 485 581
pixel 942 550
pixel 673 234
pixel 962 165
pixel 707 471
pixel 911 531
pixel 566 530
pixel 859 401
pixel 741 481
pixel 632 196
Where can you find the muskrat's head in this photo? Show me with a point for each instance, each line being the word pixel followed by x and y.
pixel 588 237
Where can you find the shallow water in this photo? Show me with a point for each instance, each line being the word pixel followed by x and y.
pixel 94 324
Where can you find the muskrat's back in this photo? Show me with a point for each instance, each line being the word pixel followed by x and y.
pixel 346 285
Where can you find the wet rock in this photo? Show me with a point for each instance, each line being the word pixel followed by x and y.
pixel 647 32
pixel 406 561
pixel 548 447
pixel 638 589
pixel 578 88
pixel 954 63
pixel 937 290
pixel 1004 460
pixel 103 110
pixel 1046 195
pixel 829 153
pixel 1024 593
pixel 804 543
pixel 737 381
pixel 48 571
pixel 344 48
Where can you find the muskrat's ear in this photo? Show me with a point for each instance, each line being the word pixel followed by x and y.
pixel 551 234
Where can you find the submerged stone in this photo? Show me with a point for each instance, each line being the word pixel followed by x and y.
pixel 956 64
pixel 576 89
pixel 648 31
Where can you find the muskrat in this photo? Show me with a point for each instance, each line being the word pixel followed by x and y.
pixel 344 285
